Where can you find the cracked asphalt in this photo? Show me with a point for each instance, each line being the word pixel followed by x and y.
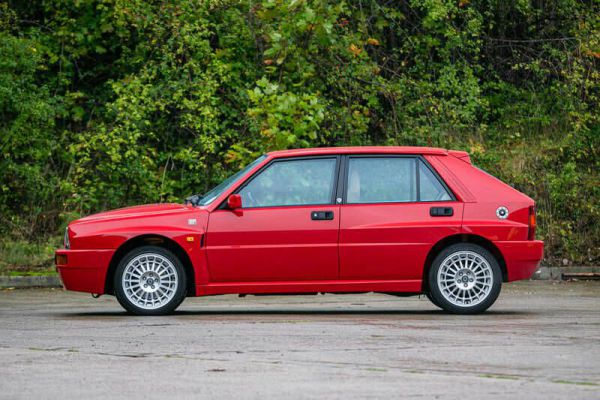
pixel 540 340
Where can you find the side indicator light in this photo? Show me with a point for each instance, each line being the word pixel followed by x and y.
pixel 189 238
pixel 61 259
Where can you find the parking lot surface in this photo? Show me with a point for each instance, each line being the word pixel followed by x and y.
pixel 540 340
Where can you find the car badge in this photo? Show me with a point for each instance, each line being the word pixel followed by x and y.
pixel 192 221
pixel 502 212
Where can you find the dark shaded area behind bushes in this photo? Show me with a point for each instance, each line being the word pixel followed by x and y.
pixel 117 102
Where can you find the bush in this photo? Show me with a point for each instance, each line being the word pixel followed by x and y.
pixel 110 103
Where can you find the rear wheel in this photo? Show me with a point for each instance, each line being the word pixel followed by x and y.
pixel 464 279
pixel 150 280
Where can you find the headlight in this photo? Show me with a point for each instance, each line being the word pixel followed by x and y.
pixel 66 239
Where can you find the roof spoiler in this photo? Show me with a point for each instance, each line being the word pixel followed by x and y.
pixel 461 155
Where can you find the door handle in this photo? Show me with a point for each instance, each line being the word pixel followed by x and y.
pixel 321 215
pixel 441 211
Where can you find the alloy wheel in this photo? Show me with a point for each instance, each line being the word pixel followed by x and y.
pixel 465 278
pixel 150 281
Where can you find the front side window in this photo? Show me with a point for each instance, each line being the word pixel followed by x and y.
pixel 430 187
pixel 215 192
pixel 292 182
pixel 381 180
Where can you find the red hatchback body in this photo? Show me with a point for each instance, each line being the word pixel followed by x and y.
pixel 396 220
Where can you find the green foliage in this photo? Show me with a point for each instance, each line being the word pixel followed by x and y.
pixel 27 112
pixel 284 119
pixel 106 103
pixel 20 257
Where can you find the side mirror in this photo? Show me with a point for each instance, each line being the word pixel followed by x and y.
pixel 234 201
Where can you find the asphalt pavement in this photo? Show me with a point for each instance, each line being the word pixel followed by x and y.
pixel 541 340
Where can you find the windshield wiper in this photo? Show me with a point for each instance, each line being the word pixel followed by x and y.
pixel 193 199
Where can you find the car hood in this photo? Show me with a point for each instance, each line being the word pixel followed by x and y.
pixel 137 211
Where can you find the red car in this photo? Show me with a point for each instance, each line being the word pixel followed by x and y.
pixel 396 220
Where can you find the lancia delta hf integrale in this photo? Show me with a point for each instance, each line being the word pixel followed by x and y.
pixel 395 220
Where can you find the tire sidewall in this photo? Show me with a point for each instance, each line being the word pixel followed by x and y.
pixel 438 297
pixel 432 299
pixel 179 292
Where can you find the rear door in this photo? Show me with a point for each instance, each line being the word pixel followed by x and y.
pixel 395 208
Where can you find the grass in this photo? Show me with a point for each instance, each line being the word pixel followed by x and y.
pixel 19 257
pixel 576 383
pixel 373 369
pixel 498 376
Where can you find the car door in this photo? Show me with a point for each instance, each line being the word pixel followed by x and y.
pixel 287 228
pixel 395 209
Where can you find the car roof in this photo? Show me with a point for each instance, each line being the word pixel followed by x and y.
pixel 358 150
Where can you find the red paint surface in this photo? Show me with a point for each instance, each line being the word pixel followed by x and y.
pixel 272 244
pixel 365 247
pixel 391 240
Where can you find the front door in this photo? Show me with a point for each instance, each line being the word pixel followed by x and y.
pixel 387 224
pixel 286 230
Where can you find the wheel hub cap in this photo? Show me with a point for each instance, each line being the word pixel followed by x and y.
pixel 150 280
pixel 465 278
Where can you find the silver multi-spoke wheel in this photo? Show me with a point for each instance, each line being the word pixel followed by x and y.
pixel 465 278
pixel 150 281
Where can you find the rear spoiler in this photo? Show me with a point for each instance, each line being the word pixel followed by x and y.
pixel 461 155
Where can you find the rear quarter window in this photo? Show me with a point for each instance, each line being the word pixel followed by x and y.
pixel 430 187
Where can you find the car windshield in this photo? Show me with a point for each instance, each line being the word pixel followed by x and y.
pixel 215 192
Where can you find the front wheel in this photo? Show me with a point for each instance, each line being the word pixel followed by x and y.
pixel 150 280
pixel 464 279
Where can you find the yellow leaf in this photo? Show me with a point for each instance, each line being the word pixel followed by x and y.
pixel 354 49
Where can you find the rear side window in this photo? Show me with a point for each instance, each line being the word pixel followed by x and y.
pixel 381 180
pixel 392 180
pixel 431 189
pixel 288 183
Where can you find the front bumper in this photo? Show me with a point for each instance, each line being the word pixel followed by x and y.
pixel 83 270
pixel 522 257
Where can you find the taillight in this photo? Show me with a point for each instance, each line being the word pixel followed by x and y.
pixel 532 224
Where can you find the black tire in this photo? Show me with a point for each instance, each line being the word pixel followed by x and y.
pixel 431 299
pixel 435 291
pixel 179 288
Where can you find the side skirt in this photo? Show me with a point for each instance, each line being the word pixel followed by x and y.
pixel 299 287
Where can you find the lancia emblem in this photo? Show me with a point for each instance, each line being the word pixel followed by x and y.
pixel 502 212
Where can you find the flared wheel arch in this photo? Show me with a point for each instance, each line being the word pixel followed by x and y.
pixel 462 238
pixel 155 240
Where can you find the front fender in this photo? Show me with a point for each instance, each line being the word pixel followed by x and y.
pixel 98 245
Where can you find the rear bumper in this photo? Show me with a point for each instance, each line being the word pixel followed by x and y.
pixel 522 258
pixel 83 270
